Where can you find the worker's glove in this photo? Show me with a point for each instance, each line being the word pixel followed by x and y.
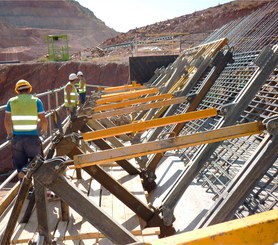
pixel 9 137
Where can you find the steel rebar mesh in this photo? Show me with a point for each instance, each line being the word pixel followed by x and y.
pixel 248 37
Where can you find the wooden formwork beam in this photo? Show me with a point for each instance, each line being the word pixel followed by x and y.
pixel 140 126
pixel 123 87
pixel 180 142
pixel 137 108
pixel 131 102
pixel 126 95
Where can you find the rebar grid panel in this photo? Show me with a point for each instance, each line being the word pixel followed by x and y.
pixel 252 32
pixel 265 104
pixel 227 160
pixel 263 197
pixel 231 81
pixel 225 163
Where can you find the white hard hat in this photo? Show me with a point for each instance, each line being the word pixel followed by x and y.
pixel 72 76
pixel 80 73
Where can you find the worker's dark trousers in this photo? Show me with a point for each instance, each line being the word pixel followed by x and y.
pixel 73 113
pixel 24 149
pixel 82 97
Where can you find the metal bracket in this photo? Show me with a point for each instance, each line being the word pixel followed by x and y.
pixel 271 125
pixel 171 135
pixel 191 97
pixel 227 109
pixel 37 161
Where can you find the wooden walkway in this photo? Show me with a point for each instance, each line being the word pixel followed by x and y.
pixel 78 230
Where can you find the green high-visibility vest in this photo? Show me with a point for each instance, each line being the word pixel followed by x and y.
pixel 24 112
pixel 73 96
pixel 81 90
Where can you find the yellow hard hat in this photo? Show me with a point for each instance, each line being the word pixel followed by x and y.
pixel 22 84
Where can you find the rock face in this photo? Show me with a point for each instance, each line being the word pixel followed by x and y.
pixel 24 24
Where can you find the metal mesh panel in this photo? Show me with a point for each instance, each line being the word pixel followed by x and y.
pixel 252 32
pixel 248 37
pixel 231 81
pixel 230 155
pixel 264 196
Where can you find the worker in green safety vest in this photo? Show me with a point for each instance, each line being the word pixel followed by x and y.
pixel 23 114
pixel 81 87
pixel 71 97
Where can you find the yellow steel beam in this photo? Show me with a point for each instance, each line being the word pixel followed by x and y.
pixel 128 95
pixel 260 228
pixel 140 126
pixel 137 108
pixel 123 87
pixel 180 142
pixel 131 102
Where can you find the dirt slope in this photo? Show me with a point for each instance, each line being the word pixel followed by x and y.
pixel 24 25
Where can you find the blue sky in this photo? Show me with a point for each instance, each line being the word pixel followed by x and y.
pixel 123 15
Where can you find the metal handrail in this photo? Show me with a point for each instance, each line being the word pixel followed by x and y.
pixel 50 96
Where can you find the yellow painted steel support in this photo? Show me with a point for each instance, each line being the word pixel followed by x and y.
pixel 126 95
pixel 258 229
pixel 123 87
pixel 131 102
pixel 140 126
pixel 137 108
pixel 175 143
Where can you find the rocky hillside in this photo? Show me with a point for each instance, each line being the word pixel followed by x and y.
pixel 205 21
pixel 194 28
pixel 24 24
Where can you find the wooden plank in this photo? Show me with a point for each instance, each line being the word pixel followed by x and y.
pixel 142 126
pixel 217 135
pixel 137 108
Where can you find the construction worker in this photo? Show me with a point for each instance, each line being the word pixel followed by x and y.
pixel 22 115
pixel 71 96
pixel 81 87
